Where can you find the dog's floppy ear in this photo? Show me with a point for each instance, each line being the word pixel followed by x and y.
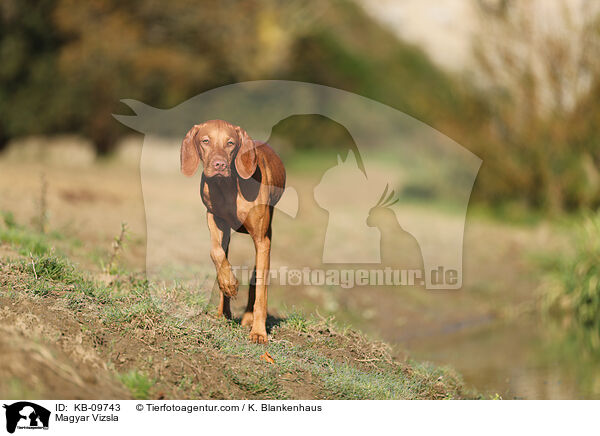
pixel 245 161
pixel 190 155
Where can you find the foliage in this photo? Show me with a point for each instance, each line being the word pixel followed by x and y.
pixel 574 293
pixel 532 119
pixel 96 53
pixel 70 62
pixel 33 97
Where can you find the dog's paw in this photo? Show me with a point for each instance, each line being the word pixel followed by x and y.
pixel 247 319
pixel 228 285
pixel 221 313
pixel 258 337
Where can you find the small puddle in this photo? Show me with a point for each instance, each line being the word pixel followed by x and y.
pixel 525 359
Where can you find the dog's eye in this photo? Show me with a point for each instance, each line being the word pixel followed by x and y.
pixel 205 141
pixel 230 143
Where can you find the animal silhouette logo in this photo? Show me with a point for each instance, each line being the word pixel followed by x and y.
pixel 398 247
pixel 391 149
pixel 26 415
pixel 346 193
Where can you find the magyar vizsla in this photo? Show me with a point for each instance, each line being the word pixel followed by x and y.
pixel 242 180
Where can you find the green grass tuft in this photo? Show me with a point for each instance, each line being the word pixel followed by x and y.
pixel 257 382
pixel 25 241
pixel 138 383
pixel 296 321
pixel 53 268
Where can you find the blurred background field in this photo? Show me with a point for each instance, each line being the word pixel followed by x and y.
pixel 516 83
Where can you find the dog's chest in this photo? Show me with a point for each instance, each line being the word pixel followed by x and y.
pixel 223 202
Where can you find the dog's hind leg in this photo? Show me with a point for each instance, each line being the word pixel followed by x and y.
pixel 224 308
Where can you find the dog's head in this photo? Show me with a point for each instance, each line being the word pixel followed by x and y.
pixel 218 144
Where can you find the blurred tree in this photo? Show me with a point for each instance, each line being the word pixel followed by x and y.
pixel 97 52
pixel 163 55
pixel 30 87
pixel 538 67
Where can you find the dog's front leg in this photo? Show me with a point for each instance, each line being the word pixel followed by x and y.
pixel 220 234
pixel 258 333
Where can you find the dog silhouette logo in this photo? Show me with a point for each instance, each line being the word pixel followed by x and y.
pixel 26 415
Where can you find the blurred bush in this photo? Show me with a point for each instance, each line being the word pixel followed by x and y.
pixel 574 293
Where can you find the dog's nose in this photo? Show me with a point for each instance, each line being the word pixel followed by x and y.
pixel 220 165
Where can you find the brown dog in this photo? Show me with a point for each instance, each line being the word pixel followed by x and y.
pixel 242 180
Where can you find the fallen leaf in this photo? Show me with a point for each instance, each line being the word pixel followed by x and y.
pixel 267 357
